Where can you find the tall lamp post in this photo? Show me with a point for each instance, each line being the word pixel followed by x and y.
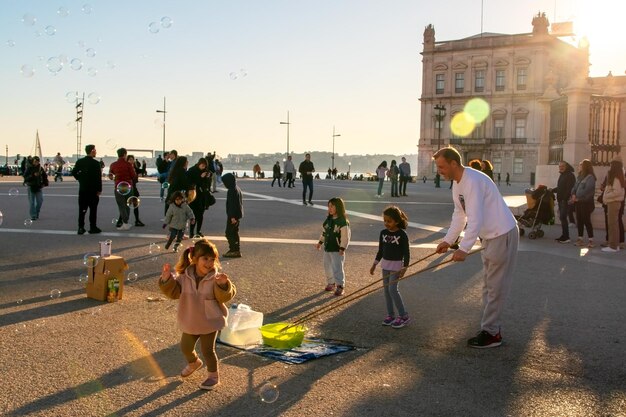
pixel 287 123
pixel 163 111
pixel 441 114
pixel 333 157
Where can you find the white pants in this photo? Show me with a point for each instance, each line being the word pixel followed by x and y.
pixel 333 267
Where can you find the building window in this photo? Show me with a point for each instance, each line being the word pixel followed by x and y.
pixel 497 164
pixel 520 128
pixel 518 165
pixel 500 80
pixel 479 81
pixel 478 132
pixel 498 129
pixel 439 83
pixel 522 74
pixel 459 82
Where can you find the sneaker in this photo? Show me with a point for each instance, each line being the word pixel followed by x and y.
pixel 95 230
pixel 124 226
pixel 339 291
pixel 388 320
pixel 191 368
pixel 563 240
pixel 304 202
pixel 118 223
pixel 139 223
pixel 81 230
pixel 211 382
pixel 232 254
pixel 311 203
pixel 609 249
pixel 590 244
pixel 176 246
pixel 484 340
pixel 579 242
pixel 330 287
pixel 401 321
pixel 167 246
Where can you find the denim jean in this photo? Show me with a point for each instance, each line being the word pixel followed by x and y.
pixel 307 183
pixel 35 200
pixel 380 186
pixel 333 267
pixel 392 295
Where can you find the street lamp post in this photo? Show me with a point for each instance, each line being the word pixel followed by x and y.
pixel 163 111
pixel 333 157
pixel 441 114
pixel 287 123
pixel 349 167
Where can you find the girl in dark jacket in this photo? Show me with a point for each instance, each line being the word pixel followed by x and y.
pixel 199 177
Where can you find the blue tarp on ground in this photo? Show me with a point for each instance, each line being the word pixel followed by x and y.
pixel 309 349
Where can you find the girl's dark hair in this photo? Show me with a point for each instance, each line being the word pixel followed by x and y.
pixel 587 168
pixel 175 195
pixel 397 215
pixel 488 164
pixel 393 162
pixel 203 247
pixel 616 171
pixel 475 163
pixel 178 169
pixel 202 161
pixel 340 206
pixel 383 164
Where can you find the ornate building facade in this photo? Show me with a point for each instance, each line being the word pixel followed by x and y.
pixel 543 107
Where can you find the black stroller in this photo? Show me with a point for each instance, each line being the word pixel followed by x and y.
pixel 540 211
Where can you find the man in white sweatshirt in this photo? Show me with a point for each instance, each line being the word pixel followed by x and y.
pixel 478 203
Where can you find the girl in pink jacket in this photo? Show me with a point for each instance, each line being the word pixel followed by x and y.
pixel 202 291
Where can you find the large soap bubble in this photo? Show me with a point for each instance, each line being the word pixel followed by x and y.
pixel 133 202
pixel 268 392
pixel 124 188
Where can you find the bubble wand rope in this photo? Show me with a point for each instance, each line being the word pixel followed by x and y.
pixel 353 296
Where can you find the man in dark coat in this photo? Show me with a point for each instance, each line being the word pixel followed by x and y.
pixel 89 175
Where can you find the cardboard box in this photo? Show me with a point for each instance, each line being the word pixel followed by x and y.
pixel 98 282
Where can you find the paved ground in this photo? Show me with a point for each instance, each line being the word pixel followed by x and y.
pixel 563 355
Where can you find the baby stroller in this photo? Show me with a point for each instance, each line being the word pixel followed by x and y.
pixel 540 211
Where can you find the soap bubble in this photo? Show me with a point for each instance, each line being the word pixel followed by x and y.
pixel 94 98
pixel 70 96
pixel 81 44
pixel 133 202
pixel 54 64
pixel 166 22
pixel 124 188
pixel 10 43
pixel 243 72
pixel 132 277
pixel 90 52
pixel 92 72
pixel 28 222
pixel 76 64
pixel 153 27
pixel 1 218
pixel 50 30
pixel 86 8
pixel 54 294
pixel 63 59
pixel 27 71
pixel 20 301
pixel 268 392
pixel 462 124
pixel 63 12
pixel 91 259
pixel 477 108
pixel 83 278
pixel 114 221
pixel 165 185
pixel 111 65
pixel 15 192
pixel 29 20
pixel 111 144
pixel 233 75
pixel 153 248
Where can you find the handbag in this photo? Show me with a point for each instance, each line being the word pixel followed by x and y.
pixel 209 200
pixel 600 198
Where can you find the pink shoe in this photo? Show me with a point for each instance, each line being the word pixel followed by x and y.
pixel 211 382
pixel 191 368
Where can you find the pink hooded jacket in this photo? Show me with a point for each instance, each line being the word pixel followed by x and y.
pixel 200 310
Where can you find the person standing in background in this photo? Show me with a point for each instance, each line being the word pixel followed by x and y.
pixel 122 171
pixel 306 170
pixel 563 191
pixel 35 178
pixel 89 175
pixel 405 176
pixel 290 173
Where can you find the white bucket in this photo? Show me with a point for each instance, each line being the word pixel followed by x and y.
pixel 242 326
pixel 105 248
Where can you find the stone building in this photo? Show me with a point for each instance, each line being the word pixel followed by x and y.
pixel 543 106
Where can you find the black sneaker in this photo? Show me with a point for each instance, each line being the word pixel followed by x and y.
pixel 81 230
pixel 304 202
pixel 484 340
pixel 311 203
pixel 94 230
pixel 563 240
pixel 139 223
pixel 232 254
pixel 119 223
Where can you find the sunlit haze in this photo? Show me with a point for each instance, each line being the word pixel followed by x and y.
pixel 231 70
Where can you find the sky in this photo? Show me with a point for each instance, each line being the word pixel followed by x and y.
pixel 231 70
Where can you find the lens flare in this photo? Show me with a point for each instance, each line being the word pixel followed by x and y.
pixel 462 124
